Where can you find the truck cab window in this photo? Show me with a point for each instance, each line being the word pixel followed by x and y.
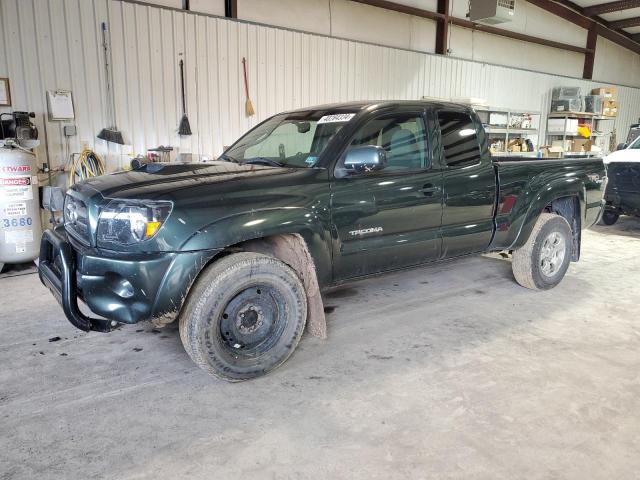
pixel 459 139
pixel 402 136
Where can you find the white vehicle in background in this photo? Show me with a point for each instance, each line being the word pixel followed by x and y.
pixel 623 189
pixel 626 152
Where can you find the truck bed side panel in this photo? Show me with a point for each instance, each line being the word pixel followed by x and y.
pixel 527 187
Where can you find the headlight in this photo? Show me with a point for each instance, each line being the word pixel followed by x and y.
pixel 126 222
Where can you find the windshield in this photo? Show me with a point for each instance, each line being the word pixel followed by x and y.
pixel 635 144
pixel 293 140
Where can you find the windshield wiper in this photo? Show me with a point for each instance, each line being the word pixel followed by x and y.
pixel 262 161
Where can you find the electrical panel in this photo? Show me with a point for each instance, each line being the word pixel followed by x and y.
pixel 492 12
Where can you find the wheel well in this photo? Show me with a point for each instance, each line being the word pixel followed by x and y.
pixel 569 209
pixel 292 250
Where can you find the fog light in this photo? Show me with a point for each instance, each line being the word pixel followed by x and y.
pixel 118 285
pixel 125 290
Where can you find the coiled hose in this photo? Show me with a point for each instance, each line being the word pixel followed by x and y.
pixel 86 165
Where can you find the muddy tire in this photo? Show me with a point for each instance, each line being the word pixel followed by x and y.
pixel 609 218
pixel 541 263
pixel 244 316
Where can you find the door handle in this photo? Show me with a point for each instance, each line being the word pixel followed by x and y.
pixel 429 189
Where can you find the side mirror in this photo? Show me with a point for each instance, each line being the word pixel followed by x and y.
pixel 365 159
pixel 621 146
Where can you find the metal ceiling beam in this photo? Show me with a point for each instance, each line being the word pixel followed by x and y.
pixel 619 38
pixel 590 56
pixel 514 35
pixel 626 23
pixel 563 12
pixel 442 28
pixel 231 8
pixel 575 14
pixel 460 22
pixel 610 7
pixel 396 7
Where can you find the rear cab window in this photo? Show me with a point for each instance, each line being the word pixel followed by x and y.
pixel 460 144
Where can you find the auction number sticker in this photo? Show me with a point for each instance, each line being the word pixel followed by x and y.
pixel 16 188
pixel 17 209
pixel 338 117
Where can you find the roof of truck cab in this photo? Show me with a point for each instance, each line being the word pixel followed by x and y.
pixel 363 105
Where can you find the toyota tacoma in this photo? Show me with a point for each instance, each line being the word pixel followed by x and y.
pixel 239 250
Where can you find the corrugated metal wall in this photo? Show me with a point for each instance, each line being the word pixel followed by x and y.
pixel 56 44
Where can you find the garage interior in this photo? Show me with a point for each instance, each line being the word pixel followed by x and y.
pixel 450 370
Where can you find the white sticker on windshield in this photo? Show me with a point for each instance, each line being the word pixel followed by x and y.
pixel 339 117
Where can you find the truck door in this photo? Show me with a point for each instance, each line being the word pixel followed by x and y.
pixel 389 218
pixel 469 184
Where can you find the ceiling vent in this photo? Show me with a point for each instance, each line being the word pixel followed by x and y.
pixel 491 12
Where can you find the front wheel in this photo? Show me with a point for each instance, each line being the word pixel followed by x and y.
pixel 244 316
pixel 609 217
pixel 541 263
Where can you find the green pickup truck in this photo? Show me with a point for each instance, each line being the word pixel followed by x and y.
pixel 240 249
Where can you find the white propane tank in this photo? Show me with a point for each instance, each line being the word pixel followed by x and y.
pixel 20 227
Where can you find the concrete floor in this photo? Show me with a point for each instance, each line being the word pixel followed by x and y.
pixel 450 371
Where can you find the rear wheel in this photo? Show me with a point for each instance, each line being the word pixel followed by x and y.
pixel 244 316
pixel 609 217
pixel 541 263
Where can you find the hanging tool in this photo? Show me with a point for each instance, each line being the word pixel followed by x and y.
pixel 86 165
pixel 110 133
pixel 248 105
pixel 184 128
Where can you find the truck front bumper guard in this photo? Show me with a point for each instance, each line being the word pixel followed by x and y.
pixel 57 272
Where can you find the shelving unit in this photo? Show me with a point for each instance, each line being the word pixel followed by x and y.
pixel 504 125
pixel 601 138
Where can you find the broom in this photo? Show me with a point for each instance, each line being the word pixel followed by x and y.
pixel 248 105
pixel 111 133
pixel 184 128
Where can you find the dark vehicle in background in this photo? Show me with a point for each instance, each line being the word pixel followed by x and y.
pixel 623 189
pixel 239 249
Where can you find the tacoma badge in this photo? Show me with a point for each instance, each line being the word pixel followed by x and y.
pixel 364 231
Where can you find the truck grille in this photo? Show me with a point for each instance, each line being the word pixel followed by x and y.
pixel 624 177
pixel 76 219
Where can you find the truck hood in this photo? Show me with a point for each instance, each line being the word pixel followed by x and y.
pixel 164 180
pixel 627 155
pixel 204 194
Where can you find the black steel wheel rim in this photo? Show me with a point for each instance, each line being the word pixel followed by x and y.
pixel 252 322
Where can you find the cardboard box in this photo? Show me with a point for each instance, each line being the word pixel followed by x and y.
pixel 609 93
pixel 551 152
pixel 581 145
pixel 557 126
pixel 610 108
pixel 563 146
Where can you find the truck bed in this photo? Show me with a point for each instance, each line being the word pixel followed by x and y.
pixel 525 188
